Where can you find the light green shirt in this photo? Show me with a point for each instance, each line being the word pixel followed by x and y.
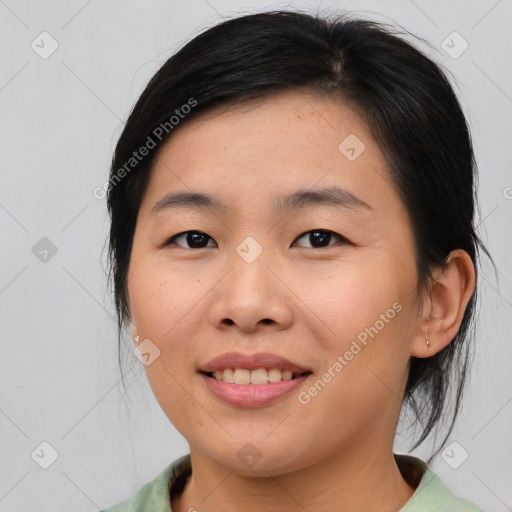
pixel 431 493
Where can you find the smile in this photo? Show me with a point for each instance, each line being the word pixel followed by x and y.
pixel 259 376
pixel 252 380
pixel 250 395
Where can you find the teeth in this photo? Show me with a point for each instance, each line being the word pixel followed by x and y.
pixel 259 376
pixel 274 375
pixel 242 376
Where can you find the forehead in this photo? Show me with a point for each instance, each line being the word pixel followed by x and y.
pixel 270 147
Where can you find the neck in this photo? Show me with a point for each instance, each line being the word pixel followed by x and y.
pixel 355 480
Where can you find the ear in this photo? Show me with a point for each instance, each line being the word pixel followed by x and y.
pixel 443 307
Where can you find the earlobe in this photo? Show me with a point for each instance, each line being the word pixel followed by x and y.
pixel 133 331
pixel 452 287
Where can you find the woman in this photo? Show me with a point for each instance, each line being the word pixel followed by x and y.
pixel 292 244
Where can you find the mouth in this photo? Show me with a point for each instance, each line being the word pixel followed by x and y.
pixel 252 380
pixel 259 376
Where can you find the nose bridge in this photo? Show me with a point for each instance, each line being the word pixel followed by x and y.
pixel 249 261
pixel 251 250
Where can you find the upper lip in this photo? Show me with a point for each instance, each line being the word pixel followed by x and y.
pixel 251 362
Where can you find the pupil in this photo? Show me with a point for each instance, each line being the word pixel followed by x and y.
pixel 197 239
pixel 319 237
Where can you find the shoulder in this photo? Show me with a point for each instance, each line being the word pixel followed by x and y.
pixel 431 494
pixel 155 495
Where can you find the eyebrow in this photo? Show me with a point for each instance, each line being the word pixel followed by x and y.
pixel 333 196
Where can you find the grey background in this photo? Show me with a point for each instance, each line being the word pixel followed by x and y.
pixel 60 118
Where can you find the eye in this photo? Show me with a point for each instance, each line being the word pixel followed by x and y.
pixel 318 238
pixel 195 239
pixel 321 237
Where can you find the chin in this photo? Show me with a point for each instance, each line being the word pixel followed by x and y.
pixel 257 458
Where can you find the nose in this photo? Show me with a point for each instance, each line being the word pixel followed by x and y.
pixel 252 298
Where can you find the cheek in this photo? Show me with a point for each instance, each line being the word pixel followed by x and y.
pixel 370 310
pixel 354 297
pixel 162 298
pixel 168 308
pixel 162 306
pixel 366 360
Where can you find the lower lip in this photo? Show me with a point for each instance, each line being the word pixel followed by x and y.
pixel 251 395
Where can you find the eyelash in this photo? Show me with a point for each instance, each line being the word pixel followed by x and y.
pixel 171 240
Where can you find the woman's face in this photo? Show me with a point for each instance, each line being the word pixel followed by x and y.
pixel 327 282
